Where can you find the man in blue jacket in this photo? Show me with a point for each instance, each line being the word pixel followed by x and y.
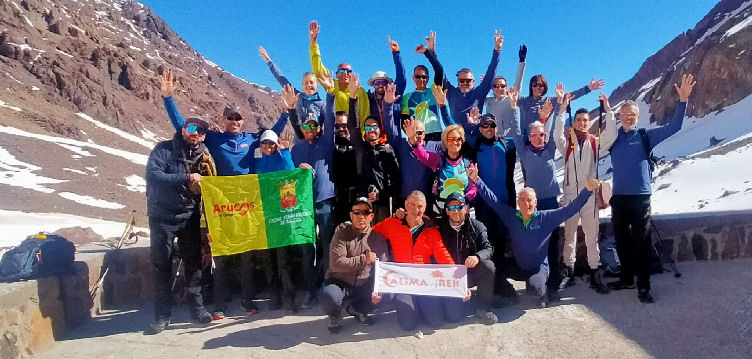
pixel 314 151
pixel 630 203
pixel 530 230
pixel 173 202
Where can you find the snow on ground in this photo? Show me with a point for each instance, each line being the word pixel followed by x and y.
pixel 21 174
pixel 16 225
pixel 117 131
pixel 717 183
pixel 61 52
pixel 74 171
pixel 135 183
pixel 76 149
pixel 136 158
pixel 726 18
pixel 90 201
pixel 14 108
pixel 738 27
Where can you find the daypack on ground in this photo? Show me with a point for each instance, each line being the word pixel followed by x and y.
pixel 37 256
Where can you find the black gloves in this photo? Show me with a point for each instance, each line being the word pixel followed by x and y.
pixel 522 53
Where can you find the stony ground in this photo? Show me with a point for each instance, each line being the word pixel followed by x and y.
pixel 705 313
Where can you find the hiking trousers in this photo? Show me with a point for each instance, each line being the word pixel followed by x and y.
pixel 630 217
pixel 589 219
pixel 188 234
pixel 554 276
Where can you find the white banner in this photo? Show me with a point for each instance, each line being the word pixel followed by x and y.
pixel 440 280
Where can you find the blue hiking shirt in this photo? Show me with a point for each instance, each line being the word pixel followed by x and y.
pixel 318 153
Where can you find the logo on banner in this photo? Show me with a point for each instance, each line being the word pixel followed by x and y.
pixel 394 279
pixel 287 197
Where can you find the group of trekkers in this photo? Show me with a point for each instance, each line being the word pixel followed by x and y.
pixel 395 175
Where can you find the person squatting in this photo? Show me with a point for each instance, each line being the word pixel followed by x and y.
pixel 395 175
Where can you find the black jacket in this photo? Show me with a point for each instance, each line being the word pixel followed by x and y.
pixel 344 164
pixel 167 173
pixel 471 239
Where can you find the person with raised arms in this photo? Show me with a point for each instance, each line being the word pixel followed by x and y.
pixel 630 203
pixel 421 104
pixel 530 230
pixel 581 151
pixel 498 103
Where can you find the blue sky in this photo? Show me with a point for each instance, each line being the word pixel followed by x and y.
pixel 568 41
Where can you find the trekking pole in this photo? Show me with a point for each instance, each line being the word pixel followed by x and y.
pixel 129 225
pixel 674 265
pixel 177 274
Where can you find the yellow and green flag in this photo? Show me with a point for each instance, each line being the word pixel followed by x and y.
pixel 267 210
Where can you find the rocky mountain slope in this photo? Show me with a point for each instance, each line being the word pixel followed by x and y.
pixel 80 106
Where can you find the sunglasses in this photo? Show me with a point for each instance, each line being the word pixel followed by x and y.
pixel 419 133
pixel 365 213
pixel 235 118
pixel 340 126
pixel 313 127
pixel 194 128
pixel 422 77
pixel 537 135
pixel 455 140
pixel 500 86
pixel 339 71
pixel 380 83
pixel 371 127
pixel 455 208
pixel 465 81
pixel 488 125
pixel 538 84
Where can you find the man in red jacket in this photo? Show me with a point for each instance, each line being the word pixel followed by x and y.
pixel 414 239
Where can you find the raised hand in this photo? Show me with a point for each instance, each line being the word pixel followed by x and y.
pixel 354 85
pixel 514 95
pixel 313 31
pixel 390 93
pixel 289 97
pixel 591 184
pixel 472 172
pixel 544 112
pixel 431 41
pixel 410 127
pixel 421 49
pixel 393 45
pixel 285 139
pixel 326 80
pixel 522 53
pixel 167 83
pixel 400 213
pixel 498 40
pixel 439 94
pixel 687 84
pixel 604 98
pixel 473 117
pixel 594 85
pixel 263 55
pixel 559 92
pixel 565 100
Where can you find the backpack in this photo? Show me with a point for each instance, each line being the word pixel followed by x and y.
pixel 37 256
pixel 652 159
pixel 609 257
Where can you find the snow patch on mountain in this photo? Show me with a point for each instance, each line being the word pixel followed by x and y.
pixel 14 172
pixel 90 201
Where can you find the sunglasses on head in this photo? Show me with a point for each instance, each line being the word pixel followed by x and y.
pixel 455 208
pixel 194 128
pixel 500 86
pixel 455 140
pixel 465 81
pixel 380 82
pixel 488 125
pixel 419 133
pixel 339 71
pixel 538 84
pixel 371 127
pixel 537 135
pixel 235 118
pixel 422 77
pixel 363 213
pixel 313 127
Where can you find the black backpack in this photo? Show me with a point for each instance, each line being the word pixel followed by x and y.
pixel 37 256
pixel 652 159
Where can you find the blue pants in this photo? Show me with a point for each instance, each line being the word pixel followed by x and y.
pixel 554 278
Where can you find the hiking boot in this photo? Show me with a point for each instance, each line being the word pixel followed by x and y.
pixel 363 318
pixel 619 285
pixel 309 300
pixel 158 325
pixel 218 314
pixel 542 301
pixel 644 296
pixel 201 316
pixel 596 281
pixel 486 317
pixel 568 278
pixel 275 303
pixel 552 296
pixel 335 324
pixel 249 307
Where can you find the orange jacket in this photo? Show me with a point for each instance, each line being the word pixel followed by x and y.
pixel 404 251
